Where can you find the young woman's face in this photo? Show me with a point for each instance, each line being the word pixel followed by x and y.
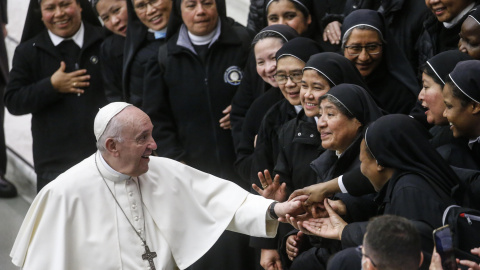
pixel 337 131
pixel 285 12
pixel 432 99
pixel 470 38
pixel 365 62
pixel 313 87
pixel 290 67
pixel 114 15
pixel 266 63
pixel 61 17
pixel 462 121
pixel 153 13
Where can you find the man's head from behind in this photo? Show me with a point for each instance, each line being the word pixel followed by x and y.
pixel 391 243
pixel 124 137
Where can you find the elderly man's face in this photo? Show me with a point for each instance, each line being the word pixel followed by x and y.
pixel 137 142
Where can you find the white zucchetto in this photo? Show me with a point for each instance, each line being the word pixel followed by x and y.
pixel 106 114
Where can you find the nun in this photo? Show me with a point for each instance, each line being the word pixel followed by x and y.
pixel 114 16
pixel 441 27
pixel 189 86
pixel 411 178
pixel 461 95
pixel 299 139
pixel 368 44
pixel 294 13
pixel 265 46
pixel 435 72
pixel 56 76
pixel 290 60
pixel 470 34
pixel 345 111
pixel 146 32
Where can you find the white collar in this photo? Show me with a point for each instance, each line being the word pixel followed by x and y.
pixel 316 119
pixel 473 141
pixel 118 175
pixel 204 40
pixel 455 20
pixel 298 108
pixel 77 37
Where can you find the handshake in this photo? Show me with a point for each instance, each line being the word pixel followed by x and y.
pixel 306 209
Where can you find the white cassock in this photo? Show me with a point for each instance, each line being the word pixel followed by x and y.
pixel 74 223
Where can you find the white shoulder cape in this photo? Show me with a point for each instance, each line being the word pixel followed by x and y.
pixel 71 223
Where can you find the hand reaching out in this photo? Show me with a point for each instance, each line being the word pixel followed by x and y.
pixel 330 227
pixel 318 192
pixel 271 189
pixel 71 82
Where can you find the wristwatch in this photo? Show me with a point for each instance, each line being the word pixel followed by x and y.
pixel 271 211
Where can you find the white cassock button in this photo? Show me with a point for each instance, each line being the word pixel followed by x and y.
pixel 136 218
pixel 311 135
pixel 130 194
pixel 134 207
pixel 299 134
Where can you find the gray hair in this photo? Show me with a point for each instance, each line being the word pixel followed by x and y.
pixel 347 34
pixel 113 130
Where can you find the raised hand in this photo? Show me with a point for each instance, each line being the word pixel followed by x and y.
pixel 272 189
pixel 70 82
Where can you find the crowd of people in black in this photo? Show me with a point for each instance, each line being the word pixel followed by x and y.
pixel 368 107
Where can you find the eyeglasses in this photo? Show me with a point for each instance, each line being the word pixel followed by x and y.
pixel 359 249
pixel 142 6
pixel 372 49
pixel 283 79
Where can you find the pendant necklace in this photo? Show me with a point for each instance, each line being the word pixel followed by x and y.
pixel 148 255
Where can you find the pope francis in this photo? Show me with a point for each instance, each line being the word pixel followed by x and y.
pixel 111 211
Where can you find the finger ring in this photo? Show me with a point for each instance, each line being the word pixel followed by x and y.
pixel 265 186
pixel 74 84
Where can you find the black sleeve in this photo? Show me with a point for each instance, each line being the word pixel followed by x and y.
pixel 352 235
pixel 248 90
pixel 24 95
pixel 356 183
pixel 112 63
pixel 157 105
pixel 256 15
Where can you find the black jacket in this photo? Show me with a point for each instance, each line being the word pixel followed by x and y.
pixel 407 195
pixel 186 98
pixel 111 56
pixel 266 150
pixel 251 125
pixel 435 38
pixel 61 123
pixel 299 144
